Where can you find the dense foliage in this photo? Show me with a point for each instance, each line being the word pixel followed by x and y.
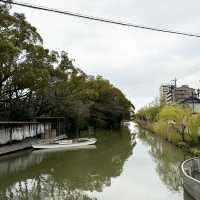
pixel 174 122
pixel 35 81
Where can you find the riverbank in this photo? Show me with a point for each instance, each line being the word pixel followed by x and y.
pixel 148 126
pixel 176 123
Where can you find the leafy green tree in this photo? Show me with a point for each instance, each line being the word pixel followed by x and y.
pixel 24 64
pixel 193 126
pixel 35 81
pixel 109 106
pixel 149 113
pixel 178 117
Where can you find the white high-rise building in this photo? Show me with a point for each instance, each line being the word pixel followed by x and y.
pixel 164 90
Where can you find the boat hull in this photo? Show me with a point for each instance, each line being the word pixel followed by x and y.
pixel 55 150
pixel 65 144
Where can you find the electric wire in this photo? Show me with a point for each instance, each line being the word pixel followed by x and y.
pixel 110 21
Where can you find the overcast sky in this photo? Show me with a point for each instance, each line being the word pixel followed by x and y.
pixel 135 60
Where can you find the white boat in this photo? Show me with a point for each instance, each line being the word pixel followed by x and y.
pixel 55 150
pixel 60 137
pixel 78 140
pixel 66 143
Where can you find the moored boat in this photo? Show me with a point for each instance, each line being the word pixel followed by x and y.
pixel 66 143
pixel 78 140
pixel 54 150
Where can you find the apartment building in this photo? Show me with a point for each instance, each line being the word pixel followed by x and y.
pixel 178 94
pixel 164 90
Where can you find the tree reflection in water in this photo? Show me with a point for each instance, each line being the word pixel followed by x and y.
pixel 168 159
pixel 66 174
pixel 187 196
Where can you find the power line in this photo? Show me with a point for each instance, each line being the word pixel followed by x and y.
pixel 79 15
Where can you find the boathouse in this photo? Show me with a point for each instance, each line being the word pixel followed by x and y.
pixel 43 127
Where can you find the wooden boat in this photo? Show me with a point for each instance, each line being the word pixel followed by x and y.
pixel 55 150
pixel 78 140
pixel 60 137
pixel 66 143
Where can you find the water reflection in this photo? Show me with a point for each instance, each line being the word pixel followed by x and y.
pixel 107 172
pixel 187 196
pixel 66 174
pixel 168 159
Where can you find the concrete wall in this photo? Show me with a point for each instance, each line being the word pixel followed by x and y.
pixel 191 185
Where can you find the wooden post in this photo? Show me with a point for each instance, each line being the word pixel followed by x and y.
pixel 36 132
pixel 10 135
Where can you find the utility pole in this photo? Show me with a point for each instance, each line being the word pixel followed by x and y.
pixel 174 90
pixel 198 92
pixel 192 101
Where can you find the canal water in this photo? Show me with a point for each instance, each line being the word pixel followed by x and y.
pixel 117 168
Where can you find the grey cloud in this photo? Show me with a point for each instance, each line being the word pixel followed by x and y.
pixel 137 61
